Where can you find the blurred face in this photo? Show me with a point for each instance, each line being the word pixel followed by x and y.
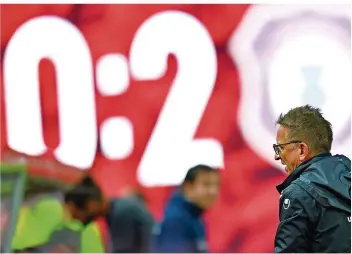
pixel 291 152
pixel 93 210
pixel 204 190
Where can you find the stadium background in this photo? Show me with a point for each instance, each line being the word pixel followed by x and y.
pixel 245 216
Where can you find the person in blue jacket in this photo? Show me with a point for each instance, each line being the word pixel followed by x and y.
pixel 182 230
pixel 315 200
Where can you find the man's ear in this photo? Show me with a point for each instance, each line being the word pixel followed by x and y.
pixel 304 151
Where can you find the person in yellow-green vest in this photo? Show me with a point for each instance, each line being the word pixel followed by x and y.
pixel 70 227
pixel 45 227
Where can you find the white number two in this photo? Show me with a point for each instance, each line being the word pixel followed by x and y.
pixel 62 43
pixel 172 149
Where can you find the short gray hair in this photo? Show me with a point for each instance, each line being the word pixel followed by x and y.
pixel 307 124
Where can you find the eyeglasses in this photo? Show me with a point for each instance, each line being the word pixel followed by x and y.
pixel 278 147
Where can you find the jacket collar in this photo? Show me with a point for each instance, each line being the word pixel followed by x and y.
pixel 299 170
pixel 193 208
pixel 180 198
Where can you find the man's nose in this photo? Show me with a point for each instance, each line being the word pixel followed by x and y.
pixel 277 157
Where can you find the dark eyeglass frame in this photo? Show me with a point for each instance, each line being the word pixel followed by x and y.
pixel 278 147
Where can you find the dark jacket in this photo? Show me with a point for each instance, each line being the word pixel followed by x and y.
pixel 315 207
pixel 182 229
pixel 130 226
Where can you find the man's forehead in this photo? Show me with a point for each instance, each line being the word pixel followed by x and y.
pixel 204 176
pixel 281 134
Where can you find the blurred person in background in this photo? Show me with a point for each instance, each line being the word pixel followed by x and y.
pixel 129 223
pixel 43 227
pixel 68 228
pixel 182 229
pixel 315 200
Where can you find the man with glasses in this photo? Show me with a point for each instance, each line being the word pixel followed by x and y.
pixel 315 200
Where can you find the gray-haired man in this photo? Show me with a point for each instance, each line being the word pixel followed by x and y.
pixel 315 201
